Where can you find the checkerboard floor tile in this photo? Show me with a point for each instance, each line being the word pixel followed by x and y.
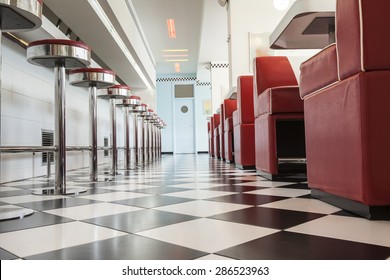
pixel 184 207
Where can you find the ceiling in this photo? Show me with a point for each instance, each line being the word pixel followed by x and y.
pixel 141 28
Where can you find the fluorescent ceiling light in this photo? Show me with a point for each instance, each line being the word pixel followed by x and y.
pixel 175 55
pixel 176 60
pixel 171 28
pixel 176 50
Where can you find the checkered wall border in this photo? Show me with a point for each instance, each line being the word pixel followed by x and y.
pixel 202 84
pixel 219 65
pixel 176 79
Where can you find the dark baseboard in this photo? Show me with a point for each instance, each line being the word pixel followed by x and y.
pixel 366 211
pixel 294 177
pixel 167 153
pixel 203 152
pixel 245 167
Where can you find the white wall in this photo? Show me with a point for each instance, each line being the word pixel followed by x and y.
pixel 245 16
pixel 165 101
pixel 27 107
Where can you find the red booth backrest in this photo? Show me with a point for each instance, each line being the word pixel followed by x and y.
pixel 270 72
pixel 245 99
pixel 222 114
pixel 230 105
pixel 212 125
pixel 362 38
pixel 217 120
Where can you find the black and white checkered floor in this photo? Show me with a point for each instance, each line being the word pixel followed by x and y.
pixel 185 207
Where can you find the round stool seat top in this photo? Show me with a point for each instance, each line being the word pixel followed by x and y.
pixel 116 92
pixel 130 102
pixel 92 77
pixel 135 97
pixel 20 15
pixel 137 109
pixel 53 53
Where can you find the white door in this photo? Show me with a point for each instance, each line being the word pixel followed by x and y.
pixel 184 126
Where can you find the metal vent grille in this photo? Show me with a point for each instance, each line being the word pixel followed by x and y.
pixel 47 140
pixel 106 152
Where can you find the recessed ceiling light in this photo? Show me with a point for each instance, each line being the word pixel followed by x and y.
pixel 171 28
pixel 175 55
pixel 176 60
pixel 177 67
pixel 176 50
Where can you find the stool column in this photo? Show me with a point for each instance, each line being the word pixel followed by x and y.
pixel 59 55
pixel 135 119
pixel 27 15
pixel 59 130
pixel 127 139
pixel 114 93
pixel 92 78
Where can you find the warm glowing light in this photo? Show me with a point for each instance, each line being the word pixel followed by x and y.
pixel 171 28
pixel 176 50
pixel 177 67
pixel 176 60
pixel 281 5
pixel 175 55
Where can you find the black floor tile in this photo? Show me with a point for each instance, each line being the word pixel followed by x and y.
pixel 140 220
pixel 152 201
pixel 38 219
pixel 93 190
pixel 4 255
pixel 159 190
pixel 301 186
pixel 294 246
pixel 268 217
pixel 248 199
pixel 56 203
pixel 128 247
pixel 166 183
pixel 233 188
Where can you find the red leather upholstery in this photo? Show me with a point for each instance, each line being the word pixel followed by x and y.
pixel 319 71
pixel 270 72
pixel 243 120
pixel 221 130
pixel 217 120
pixel 347 123
pixel 279 125
pixel 230 105
pixel 211 137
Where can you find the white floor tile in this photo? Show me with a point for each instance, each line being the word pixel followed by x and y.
pixel 7 189
pixel 128 187
pixel 250 178
pixel 214 257
pixel 281 192
pixel 202 208
pixel 22 183
pixel 107 197
pixel 267 184
pixel 199 185
pixel 29 242
pixel 348 228
pixel 207 235
pixel 92 211
pixel 199 194
pixel 304 205
pixel 29 198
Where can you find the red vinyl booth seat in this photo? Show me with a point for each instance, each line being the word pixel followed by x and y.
pixel 243 122
pixel 230 105
pixel 217 120
pixel 221 129
pixel 211 138
pixel 279 123
pixel 347 119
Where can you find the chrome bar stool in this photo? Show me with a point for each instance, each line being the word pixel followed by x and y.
pixel 127 105
pixel 114 93
pixel 147 116
pixel 59 55
pixel 17 15
pixel 143 140
pixel 93 79
pixel 134 111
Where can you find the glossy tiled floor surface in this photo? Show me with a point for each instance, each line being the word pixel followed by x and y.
pixel 185 207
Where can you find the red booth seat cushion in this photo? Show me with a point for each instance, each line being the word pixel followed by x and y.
pixel 319 71
pixel 217 120
pixel 236 120
pixel 280 100
pixel 229 124
pixel 362 37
